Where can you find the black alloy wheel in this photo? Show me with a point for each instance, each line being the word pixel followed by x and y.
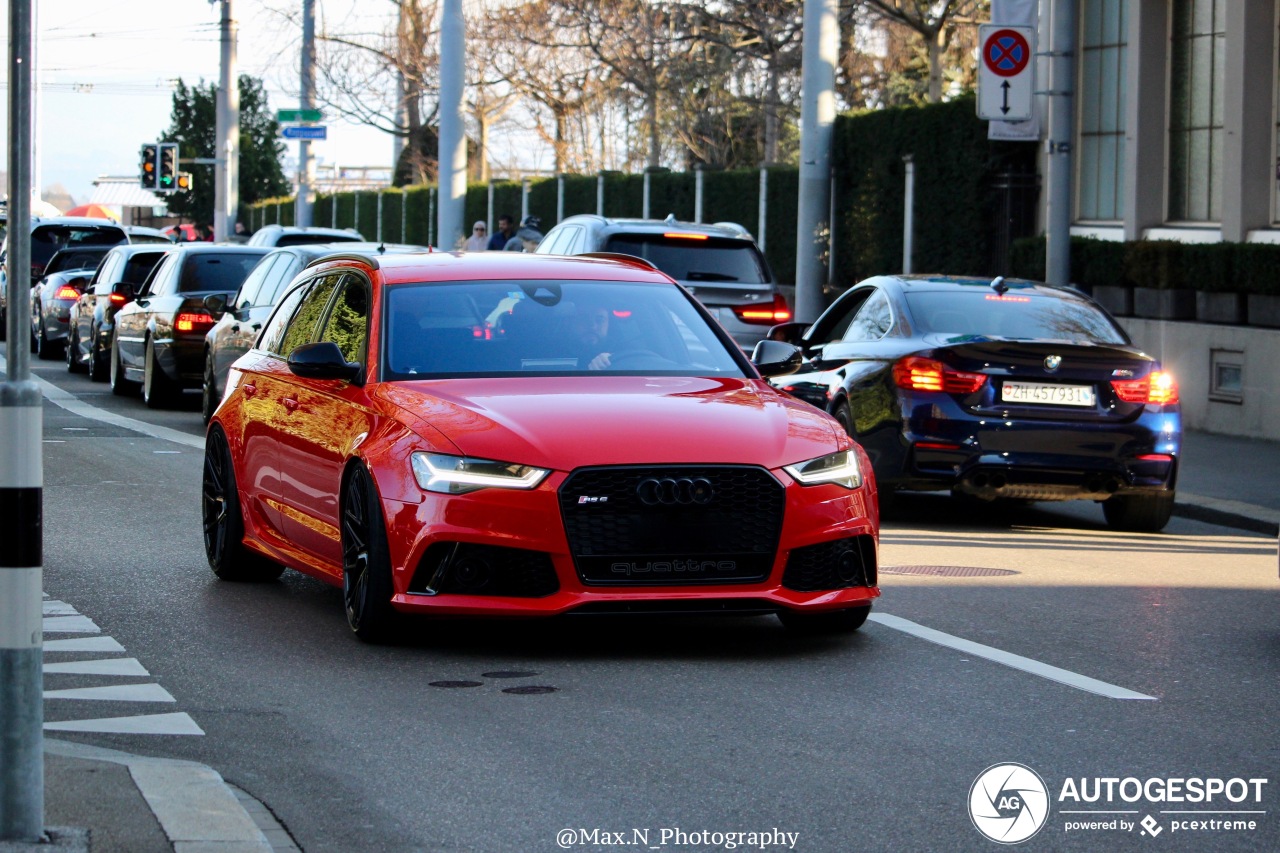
pixel 366 561
pixel 45 350
pixel 74 364
pixel 209 396
pixel 223 523
pixel 158 390
pixel 120 386
pixel 830 622
pixel 99 367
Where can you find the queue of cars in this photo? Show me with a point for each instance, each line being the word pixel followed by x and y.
pixel 582 430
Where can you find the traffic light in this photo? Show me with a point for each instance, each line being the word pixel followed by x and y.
pixel 150 158
pixel 168 167
pixel 184 181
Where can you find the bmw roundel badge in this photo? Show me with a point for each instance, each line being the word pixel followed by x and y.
pixel 1052 362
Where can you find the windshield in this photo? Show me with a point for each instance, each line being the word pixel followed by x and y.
pixel 217 270
pixel 75 259
pixel 1022 315
pixel 689 259
pixel 47 239
pixel 547 328
pixel 312 239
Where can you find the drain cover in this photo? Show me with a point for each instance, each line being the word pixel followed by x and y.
pixel 508 674
pixel 947 571
pixel 529 690
pixel 456 684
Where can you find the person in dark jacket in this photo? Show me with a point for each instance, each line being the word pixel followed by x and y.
pixel 506 230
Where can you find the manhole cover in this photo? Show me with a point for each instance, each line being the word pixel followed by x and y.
pixel 947 571
pixel 529 690
pixel 508 674
pixel 456 684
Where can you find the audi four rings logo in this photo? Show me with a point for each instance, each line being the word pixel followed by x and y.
pixel 1052 362
pixel 671 492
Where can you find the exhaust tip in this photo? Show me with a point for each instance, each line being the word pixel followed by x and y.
pixel 979 481
pixel 998 481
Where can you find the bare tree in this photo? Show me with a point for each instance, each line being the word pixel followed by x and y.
pixel 936 22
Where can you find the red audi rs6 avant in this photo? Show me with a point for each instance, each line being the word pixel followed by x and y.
pixel 506 434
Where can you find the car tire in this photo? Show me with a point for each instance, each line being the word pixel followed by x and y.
pixel 209 396
pixel 366 561
pixel 120 386
pixel 74 365
pixel 1141 513
pixel 99 366
pixel 828 622
pixel 844 416
pixel 223 522
pixel 158 390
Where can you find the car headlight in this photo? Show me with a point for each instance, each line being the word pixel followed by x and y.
pixel 457 475
pixel 840 468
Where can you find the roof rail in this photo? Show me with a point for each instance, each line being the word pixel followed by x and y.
pixel 619 256
pixel 367 260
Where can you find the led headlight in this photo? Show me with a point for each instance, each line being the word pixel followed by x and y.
pixel 457 475
pixel 839 468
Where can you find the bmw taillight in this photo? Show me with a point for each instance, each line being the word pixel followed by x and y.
pixel 767 314
pixel 1158 387
pixel 914 373
pixel 194 322
pixel 67 292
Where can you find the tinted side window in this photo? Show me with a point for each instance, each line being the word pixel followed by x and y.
pixel 281 274
pixel 248 294
pixel 138 266
pixel 685 259
pixel 303 325
pixel 216 271
pixel 274 331
pixel 106 273
pixel 158 279
pixel 348 325
pixel 872 321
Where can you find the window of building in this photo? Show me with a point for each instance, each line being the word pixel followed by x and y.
pixel 1195 110
pixel 1102 105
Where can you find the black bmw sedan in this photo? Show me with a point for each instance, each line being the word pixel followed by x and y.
pixel 995 389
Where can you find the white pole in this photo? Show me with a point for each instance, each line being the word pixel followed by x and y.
pixel 379 237
pixel 559 198
pixel 600 194
pixel 227 134
pixel 909 213
pixel 697 193
pixel 762 217
pixel 453 143
pixel 524 198
pixel 305 209
pixel 1058 232
pixel 644 210
pixel 817 119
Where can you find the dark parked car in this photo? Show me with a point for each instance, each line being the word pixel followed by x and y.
pixel 65 277
pixel 297 235
pixel 241 320
pixel 93 314
pixel 159 337
pixel 48 236
pixel 995 389
pixel 720 264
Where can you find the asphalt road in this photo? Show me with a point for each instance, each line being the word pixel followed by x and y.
pixel 870 742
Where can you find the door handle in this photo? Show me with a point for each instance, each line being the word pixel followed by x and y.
pixel 249 389
pixel 290 404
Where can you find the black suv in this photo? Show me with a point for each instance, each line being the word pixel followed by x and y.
pixel 720 264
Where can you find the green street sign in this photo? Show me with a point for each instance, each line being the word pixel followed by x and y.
pixel 298 115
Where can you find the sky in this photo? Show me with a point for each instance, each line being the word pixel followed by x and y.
pixel 106 70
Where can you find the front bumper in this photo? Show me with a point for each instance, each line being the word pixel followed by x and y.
pixel 465 555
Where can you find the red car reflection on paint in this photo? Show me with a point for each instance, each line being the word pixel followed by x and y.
pixel 515 435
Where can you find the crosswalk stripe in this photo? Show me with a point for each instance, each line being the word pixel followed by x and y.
pixel 83 644
pixel 145 724
pixel 58 608
pixel 115 693
pixel 107 666
pixel 69 625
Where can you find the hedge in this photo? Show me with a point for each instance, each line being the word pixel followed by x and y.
pixel 1162 264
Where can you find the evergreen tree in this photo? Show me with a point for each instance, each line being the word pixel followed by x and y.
pixel 193 125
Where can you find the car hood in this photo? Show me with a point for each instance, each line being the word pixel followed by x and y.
pixel 565 423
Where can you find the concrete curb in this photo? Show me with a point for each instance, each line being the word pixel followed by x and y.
pixel 196 809
pixel 1237 514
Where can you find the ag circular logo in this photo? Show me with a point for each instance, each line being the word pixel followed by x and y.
pixel 1008 803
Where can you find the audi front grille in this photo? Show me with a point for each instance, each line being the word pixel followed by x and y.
pixel 672 525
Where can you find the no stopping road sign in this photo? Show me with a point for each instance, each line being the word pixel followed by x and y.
pixel 1006 74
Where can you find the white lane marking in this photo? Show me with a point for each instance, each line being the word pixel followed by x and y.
pixel 1035 667
pixel 115 693
pixel 166 451
pixel 83 644
pixel 69 625
pixel 197 809
pixel 53 607
pixel 145 724
pixel 73 404
pixel 107 666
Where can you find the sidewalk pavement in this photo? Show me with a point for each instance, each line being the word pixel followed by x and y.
pixel 105 801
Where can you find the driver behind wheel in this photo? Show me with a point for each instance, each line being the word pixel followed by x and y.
pixel 589 330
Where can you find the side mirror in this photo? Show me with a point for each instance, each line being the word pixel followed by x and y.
pixel 322 360
pixel 789 333
pixel 216 304
pixel 774 358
